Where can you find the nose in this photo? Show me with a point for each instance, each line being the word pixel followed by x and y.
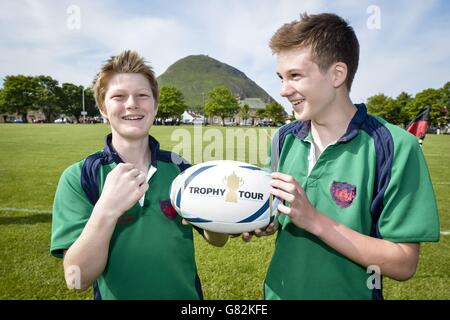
pixel 131 102
pixel 286 89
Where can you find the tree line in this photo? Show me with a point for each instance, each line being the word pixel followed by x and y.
pixel 21 93
pixel 402 109
pixel 220 102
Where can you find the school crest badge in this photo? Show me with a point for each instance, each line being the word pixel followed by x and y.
pixel 167 209
pixel 343 193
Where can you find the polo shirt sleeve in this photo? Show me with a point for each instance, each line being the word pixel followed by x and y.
pixel 410 213
pixel 71 211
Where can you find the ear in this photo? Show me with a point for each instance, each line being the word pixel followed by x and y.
pixel 339 74
pixel 103 112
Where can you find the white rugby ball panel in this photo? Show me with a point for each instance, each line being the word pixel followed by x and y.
pixel 231 228
pixel 205 193
pixel 224 196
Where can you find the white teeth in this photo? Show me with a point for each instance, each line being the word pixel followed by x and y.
pixel 296 102
pixel 132 117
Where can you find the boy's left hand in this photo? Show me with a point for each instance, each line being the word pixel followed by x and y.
pixel 267 231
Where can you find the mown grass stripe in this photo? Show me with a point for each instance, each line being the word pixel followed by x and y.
pixel 25 210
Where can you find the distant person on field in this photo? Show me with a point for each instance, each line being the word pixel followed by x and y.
pixel 112 219
pixel 358 198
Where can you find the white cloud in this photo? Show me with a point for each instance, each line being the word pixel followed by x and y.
pixel 409 53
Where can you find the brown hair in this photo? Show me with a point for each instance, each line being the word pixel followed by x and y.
pixel 125 62
pixel 330 38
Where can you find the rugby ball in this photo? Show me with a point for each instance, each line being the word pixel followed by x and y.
pixel 224 196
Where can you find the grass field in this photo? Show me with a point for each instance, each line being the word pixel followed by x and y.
pixel 32 158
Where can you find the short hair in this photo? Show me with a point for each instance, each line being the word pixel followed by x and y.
pixel 127 61
pixel 330 38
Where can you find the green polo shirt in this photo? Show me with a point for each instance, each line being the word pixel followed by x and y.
pixel 373 180
pixel 151 253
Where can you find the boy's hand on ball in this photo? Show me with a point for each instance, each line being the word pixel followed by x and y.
pixel 269 230
pixel 215 238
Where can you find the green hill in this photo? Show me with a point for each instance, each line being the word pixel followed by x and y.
pixel 196 75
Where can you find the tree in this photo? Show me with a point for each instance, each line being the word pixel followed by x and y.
pixel 19 94
pixel 89 103
pixel 72 100
pixel 72 96
pixel 445 94
pixel 400 105
pixel 171 103
pixel 381 105
pixel 392 110
pixel 49 97
pixel 221 102
pixel 275 112
pixel 2 103
pixel 428 97
pixel 261 113
pixel 245 112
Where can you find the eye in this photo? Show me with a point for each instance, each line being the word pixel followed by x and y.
pixel 144 95
pixel 118 97
pixel 296 76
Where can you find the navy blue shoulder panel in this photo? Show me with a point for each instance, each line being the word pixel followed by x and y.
pixel 97 294
pixel 297 128
pixel 172 157
pixel 384 152
pixel 294 128
pixel 89 175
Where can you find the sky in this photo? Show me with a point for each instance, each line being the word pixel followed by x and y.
pixel 404 45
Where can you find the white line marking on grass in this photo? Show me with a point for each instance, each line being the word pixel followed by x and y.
pixel 445 233
pixel 25 210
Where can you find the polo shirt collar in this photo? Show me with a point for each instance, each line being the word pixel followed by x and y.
pixel 112 154
pixel 356 123
pixel 352 129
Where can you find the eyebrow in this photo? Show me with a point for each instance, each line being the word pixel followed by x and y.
pixel 138 89
pixel 290 71
pixel 296 71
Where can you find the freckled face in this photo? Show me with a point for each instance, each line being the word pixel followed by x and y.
pixel 130 105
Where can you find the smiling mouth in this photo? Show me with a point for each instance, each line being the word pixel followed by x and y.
pixel 297 102
pixel 133 117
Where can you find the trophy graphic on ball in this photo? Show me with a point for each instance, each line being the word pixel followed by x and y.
pixel 233 182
